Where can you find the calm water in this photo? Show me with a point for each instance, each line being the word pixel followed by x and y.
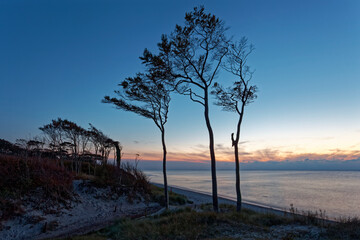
pixel 336 192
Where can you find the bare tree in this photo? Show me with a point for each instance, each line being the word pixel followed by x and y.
pixel 146 96
pixel 194 53
pixel 236 97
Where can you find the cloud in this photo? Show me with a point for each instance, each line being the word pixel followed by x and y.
pixel 200 153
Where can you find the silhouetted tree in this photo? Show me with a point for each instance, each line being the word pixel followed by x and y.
pixel 7 147
pixel 193 55
pixel 118 149
pixel 146 96
pixel 94 138
pixel 36 146
pixel 236 97
pixel 22 143
pixel 72 132
pixel 55 136
pixel 103 144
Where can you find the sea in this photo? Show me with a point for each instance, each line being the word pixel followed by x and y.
pixel 335 192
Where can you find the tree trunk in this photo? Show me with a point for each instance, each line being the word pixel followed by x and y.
pixel 212 152
pixel 118 155
pixel 164 169
pixel 235 143
pixel 237 169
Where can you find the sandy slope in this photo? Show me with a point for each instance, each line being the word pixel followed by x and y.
pixel 93 210
pixel 96 210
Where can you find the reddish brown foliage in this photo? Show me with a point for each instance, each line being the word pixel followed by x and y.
pixel 128 180
pixel 20 177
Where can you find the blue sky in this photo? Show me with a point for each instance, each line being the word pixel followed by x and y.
pixel 59 58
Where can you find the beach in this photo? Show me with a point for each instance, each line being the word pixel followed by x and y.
pixel 94 210
pixel 91 210
pixel 334 192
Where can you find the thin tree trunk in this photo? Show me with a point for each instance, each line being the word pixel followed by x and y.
pixel 164 169
pixel 118 155
pixel 237 169
pixel 212 152
pixel 235 143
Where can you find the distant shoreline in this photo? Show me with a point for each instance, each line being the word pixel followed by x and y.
pixel 306 165
pixel 199 197
pixel 251 170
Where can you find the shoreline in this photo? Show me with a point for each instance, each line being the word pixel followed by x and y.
pixel 199 197
pixel 90 213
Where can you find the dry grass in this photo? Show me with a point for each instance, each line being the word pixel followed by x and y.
pixel 157 195
pixel 45 185
pixel 24 179
pixel 227 224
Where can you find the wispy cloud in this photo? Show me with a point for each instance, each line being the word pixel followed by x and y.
pixel 200 153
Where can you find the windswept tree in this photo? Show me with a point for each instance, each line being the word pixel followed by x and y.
pixel 149 97
pixel 102 143
pixel 236 97
pixel 194 53
pixel 54 134
pixel 73 133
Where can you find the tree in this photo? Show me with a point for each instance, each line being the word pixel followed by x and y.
pixel 101 142
pixel 236 97
pixel 55 136
pixel 118 149
pixel 192 55
pixel 146 96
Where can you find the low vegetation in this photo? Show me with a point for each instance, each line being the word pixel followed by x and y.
pixel 44 185
pixel 187 223
pixel 31 180
pixel 157 195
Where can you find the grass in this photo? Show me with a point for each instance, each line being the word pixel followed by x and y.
pixel 346 229
pixel 128 181
pixel 190 224
pixel 42 182
pixel 30 178
pixel 92 236
pixel 186 223
pixel 157 195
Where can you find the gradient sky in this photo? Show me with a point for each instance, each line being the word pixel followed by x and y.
pixel 59 58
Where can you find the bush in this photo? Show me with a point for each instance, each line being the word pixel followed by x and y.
pixel 127 181
pixel 22 178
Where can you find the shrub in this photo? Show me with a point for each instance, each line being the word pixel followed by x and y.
pixel 127 181
pixel 25 177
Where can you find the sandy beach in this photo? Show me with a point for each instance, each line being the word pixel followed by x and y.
pixel 202 198
pixel 94 210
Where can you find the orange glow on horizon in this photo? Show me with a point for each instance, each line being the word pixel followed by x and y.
pixel 263 155
pixel 340 147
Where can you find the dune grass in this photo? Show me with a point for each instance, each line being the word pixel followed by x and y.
pixel 186 223
pixel 46 185
pixel 157 195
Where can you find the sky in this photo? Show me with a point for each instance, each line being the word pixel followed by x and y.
pixel 60 58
